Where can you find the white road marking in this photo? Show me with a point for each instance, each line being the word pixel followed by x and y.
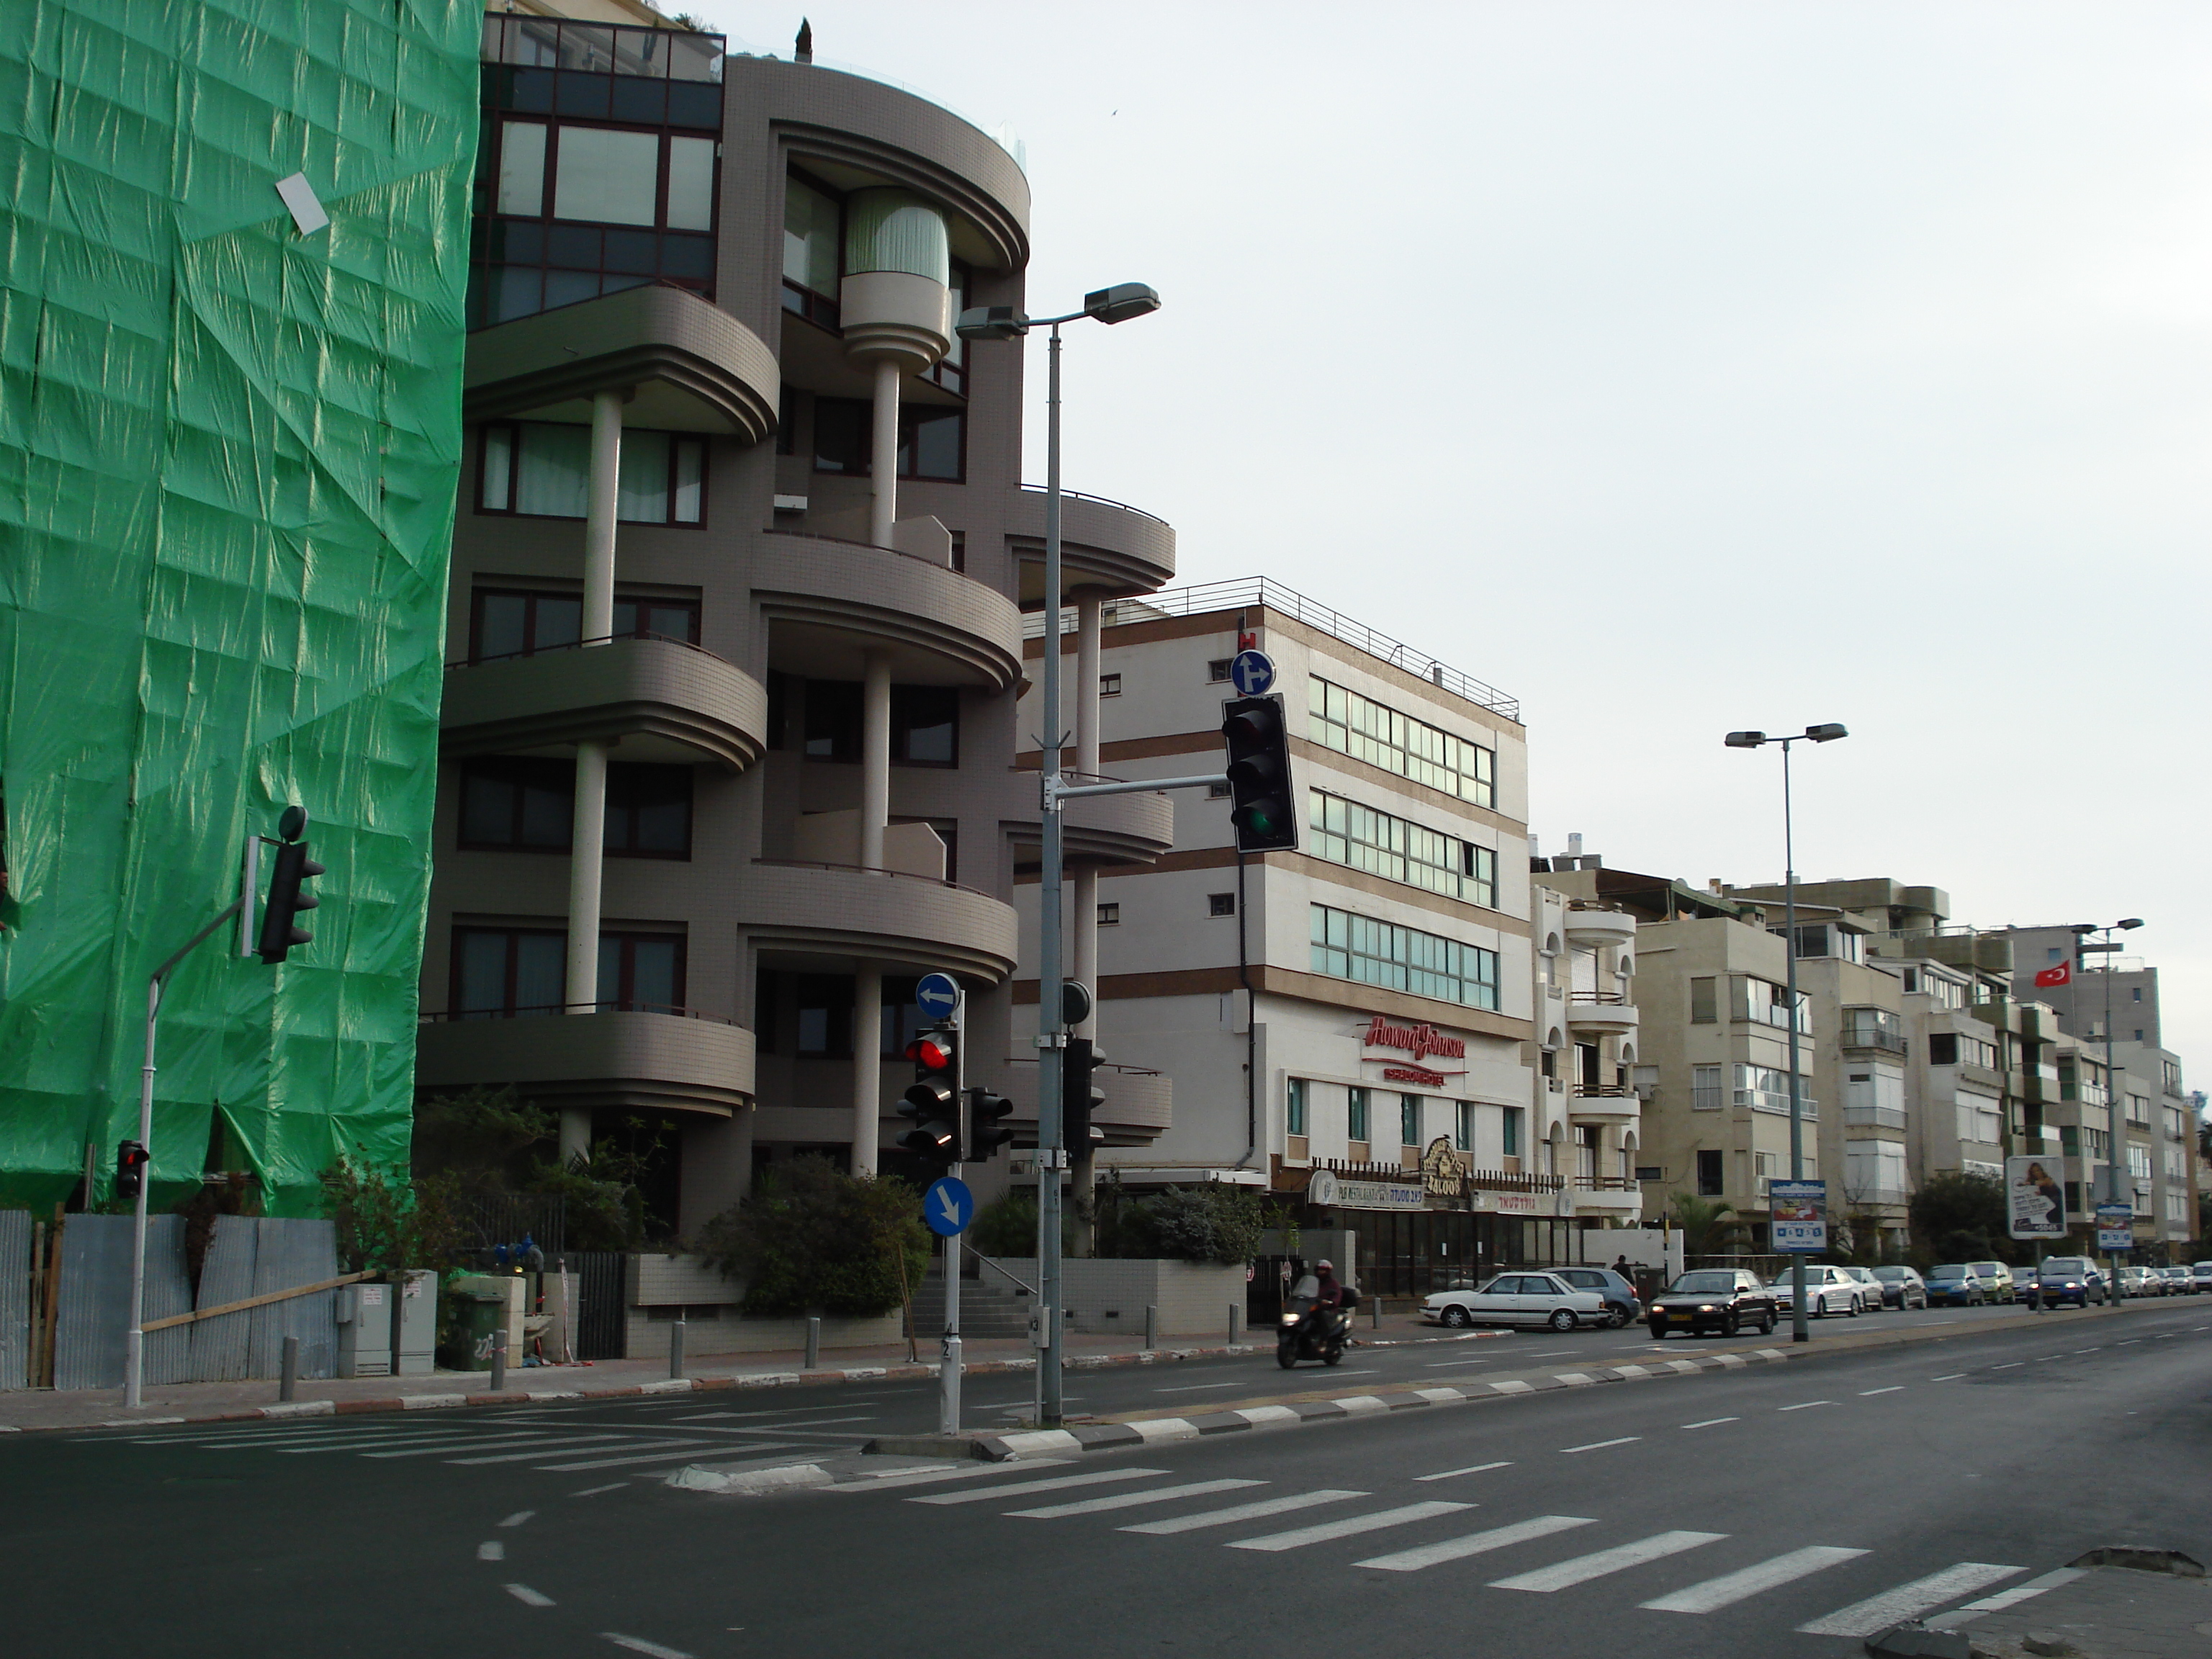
pixel 1129 1500
pixel 653 1457
pixel 925 1477
pixel 593 1491
pixel 639 1645
pixel 1374 1521
pixel 529 1597
pixel 2013 1597
pixel 1804 1405
pixel 2008 1366
pixel 1200 1388
pixel 794 1411
pixel 1564 1575
pixel 1954 1378
pixel 1894 1388
pixel 1894 1607
pixel 2098 1349
pixel 1731 1588
pixel 1599 1445
pixel 1476 1543
pixel 1713 1422
pixel 553 1445
pixel 2046 1359
pixel 1551 1353
pixel 491 1550
pixel 1053 1484
pixel 1304 1500
pixel 518 1517
pixel 1477 1468
pixel 2131 1341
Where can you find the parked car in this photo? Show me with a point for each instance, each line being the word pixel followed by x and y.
pixel 1901 1288
pixel 1996 1281
pixel 1622 1304
pixel 2177 1282
pixel 2075 1279
pixel 1723 1299
pixel 1956 1284
pixel 2200 1276
pixel 2139 1281
pixel 1870 1291
pixel 1828 1290
pixel 1517 1298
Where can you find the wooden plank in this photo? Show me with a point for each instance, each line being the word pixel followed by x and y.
pixel 256 1301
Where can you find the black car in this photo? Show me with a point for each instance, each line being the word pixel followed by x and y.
pixel 1902 1288
pixel 1723 1299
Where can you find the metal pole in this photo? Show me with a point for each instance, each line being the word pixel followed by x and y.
pixel 1151 1327
pixel 948 1369
pixel 287 1384
pixel 498 1361
pixel 1052 1034
pixel 2113 1125
pixel 814 1342
pixel 676 1348
pixel 1800 1329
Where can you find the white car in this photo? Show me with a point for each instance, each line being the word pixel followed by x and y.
pixel 2200 1275
pixel 1828 1290
pixel 1517 1298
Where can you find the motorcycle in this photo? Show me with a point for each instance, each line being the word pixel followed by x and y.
pixel 1310 1331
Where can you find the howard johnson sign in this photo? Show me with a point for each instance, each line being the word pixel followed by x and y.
pixel 1419 1042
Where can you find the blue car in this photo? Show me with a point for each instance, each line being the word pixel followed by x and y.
pixel 1955 1285
pixel 2064 1279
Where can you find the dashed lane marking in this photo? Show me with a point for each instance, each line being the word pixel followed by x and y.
pixel 1804 1405
pixel 491 1550
pixel 1894 1607
pixel 518 1517
pixel 1713 1422
pixel 1731 1588
pixel 1022 1487
pixel 1599 1445
pixel 1477 1468
pixel 1894 1388
pixel 639 1645
pixel 1241 1512
pixel 529 1597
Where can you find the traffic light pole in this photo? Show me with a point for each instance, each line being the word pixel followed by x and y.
pixel 948 1366
pixel 1052 1030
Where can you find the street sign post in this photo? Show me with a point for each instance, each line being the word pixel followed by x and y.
pixel 938 995
pixel 948 1206
pixel 2035 1204
pixel 1252 673
pixel 1798 1212
pixel 2116 1228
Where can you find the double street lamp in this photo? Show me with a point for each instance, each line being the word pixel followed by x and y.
pixel 1799 1331
pixel 1117 304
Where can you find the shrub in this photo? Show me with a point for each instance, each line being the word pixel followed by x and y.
pixel 1961 1218
pixel 1212 1223
pixel 814 1240
pixel 1007 1225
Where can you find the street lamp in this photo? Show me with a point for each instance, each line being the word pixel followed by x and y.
pixel 1117 304
pixel 2113 1188
pixel 1799 1331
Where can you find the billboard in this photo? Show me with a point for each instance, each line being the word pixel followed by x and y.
pixel 2116 1227
pixel 2035 1202
pixel 1797 1216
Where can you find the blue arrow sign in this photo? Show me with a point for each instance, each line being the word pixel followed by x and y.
pixel 938 995
pixel 948 1206
pixel 1252 673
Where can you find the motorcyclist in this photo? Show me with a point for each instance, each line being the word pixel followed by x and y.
pixel 1328 1293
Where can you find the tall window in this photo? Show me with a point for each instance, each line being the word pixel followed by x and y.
pixel 1355 1115
pixel 950 371
pixel 1706 1089
pixel 931 439
pixel 1345 832
pixel 814 250
pixel 1710 1184
pixel 1294 1105
pixel 1510 1118
pixel 1366 729
pixel 1463 1126
pixel 535 469
pixel 925 723
pixel 514 803
pixel 1354 947
pixel 1409 1120
pixel 503 971
pixel 516 623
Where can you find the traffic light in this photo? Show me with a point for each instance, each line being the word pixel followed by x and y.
pixel 130 1160
pixel 1080 1097
pixel 932 1101
pixel 291 868
pixel 985 1135
pixel 1262 807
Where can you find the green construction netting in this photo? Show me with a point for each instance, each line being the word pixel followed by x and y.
pixel 228 462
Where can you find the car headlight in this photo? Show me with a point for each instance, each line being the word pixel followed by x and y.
pixel 1707 1307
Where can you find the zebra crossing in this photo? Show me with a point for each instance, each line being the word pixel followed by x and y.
pixel 540 1445
pixel 1249 1523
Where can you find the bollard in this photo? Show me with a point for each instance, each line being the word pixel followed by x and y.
pixel 1236 1323
pixel 290 1386
pixel 676 1350
pixel 813 1342
pixel 1374 1313
pixel 498 1361
pixel 1151 1328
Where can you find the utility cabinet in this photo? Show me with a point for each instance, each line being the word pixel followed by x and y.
pixel 365 1327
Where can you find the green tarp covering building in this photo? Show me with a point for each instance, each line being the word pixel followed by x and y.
pixel 228 447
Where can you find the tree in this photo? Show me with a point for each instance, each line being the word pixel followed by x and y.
pixel 1213 1223
pixel 384 1225
pixel 1959 1216
pixel 814 1240
pixel 1710 1225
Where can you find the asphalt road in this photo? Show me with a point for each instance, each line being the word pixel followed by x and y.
pixel 1721 1513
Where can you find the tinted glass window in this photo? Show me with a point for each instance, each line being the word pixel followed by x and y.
pixel 1704 1283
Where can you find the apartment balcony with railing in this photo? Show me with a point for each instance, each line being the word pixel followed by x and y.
pixel 1873 1028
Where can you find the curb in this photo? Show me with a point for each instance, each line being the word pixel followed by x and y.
pixel 894 1373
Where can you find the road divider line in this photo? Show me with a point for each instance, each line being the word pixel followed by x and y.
pixel 1476 1543
pixel 1130 1500
pixel 2010 1364
pixel 1908 1600
pixel 1377 1520
pixel 1477 1468
pixel 689 1452
pixel 491 1550
pixel 927 1477
pixel 1714 1594
pixel 1713 1422
pixel 1952 1377
pixel 1241 1512
pixel 593 1491
pixel 529 1597
pixel 1894 1388
pixel 1599 1445
pixel 639 1645
pixel 1804 1405
pixel 518 1517
pixel 1581 1569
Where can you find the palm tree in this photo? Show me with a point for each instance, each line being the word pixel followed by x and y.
pixel 1710 1227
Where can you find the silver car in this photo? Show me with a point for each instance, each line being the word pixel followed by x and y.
pixel 1517 1299
pixel 1828 1290
pixel 1870 1288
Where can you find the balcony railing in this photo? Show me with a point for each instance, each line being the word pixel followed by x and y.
pixel 1767 1100
pixel 1604 1092
pixel 1605 998
pixel 1879 1117
pixel 578 645
pixel 1606 1183
pixel 1874 1036
pixel 862 870
pixel 548 1009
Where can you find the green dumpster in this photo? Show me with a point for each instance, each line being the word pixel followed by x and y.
pixel 478 1318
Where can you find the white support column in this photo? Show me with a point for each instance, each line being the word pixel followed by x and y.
pixel 587 837
pixel 882 464
pixel 875 757
pixel 1090 617
pixel 867 1063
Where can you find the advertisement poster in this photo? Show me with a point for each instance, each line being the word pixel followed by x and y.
pixel 2035 1202
pixel 1798 1213
pixel 2116 1227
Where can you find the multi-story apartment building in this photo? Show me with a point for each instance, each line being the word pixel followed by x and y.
pixel 2107 994
pixel 1352 1024
pixel 729 728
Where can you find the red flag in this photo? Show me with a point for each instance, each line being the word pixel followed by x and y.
pixel 2061 974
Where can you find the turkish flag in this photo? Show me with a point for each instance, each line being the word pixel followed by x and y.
pixel 2061 974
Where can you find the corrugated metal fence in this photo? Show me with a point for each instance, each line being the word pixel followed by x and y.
pixel 15 1298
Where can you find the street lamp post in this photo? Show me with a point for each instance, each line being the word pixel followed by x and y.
pixel 2117 1190
pixel 1800 1330
pixel 1117 304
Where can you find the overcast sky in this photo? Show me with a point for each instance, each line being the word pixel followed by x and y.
pixel 1677 369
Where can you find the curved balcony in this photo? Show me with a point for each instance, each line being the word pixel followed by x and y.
pixel 1600 1011
pixel 1122 550
pixel 687 365
pixel 882 916
pixel 1594 926
pixel 667 701
pixel 1103 830
pixel 828 603
pixel 609 1057
pixel 1139 1103
pixel 1607 1104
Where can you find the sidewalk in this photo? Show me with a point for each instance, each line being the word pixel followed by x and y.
pixel 2103 1613
pixel 30 1410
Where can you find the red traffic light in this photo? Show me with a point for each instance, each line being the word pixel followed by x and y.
pixel 930 1052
